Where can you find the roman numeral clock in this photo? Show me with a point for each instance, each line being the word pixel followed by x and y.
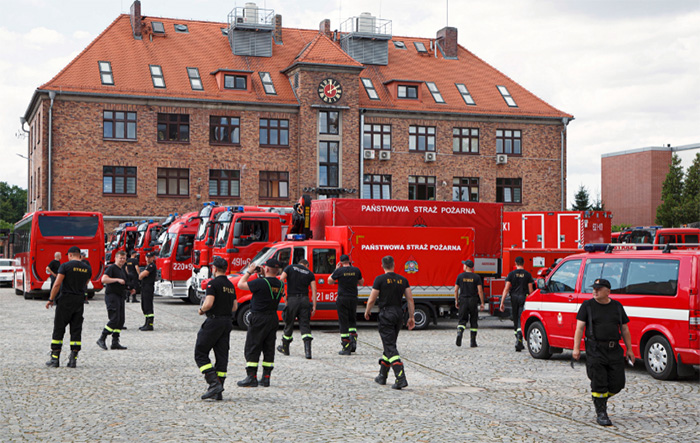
pixel 330 91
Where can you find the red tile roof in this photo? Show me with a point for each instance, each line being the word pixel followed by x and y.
pixel 206 48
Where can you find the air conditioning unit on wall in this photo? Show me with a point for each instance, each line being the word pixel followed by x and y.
pixel 369 154
pixel 385 155
pixel 430 157
pixel 501 159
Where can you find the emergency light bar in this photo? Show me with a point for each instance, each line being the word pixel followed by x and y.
pixel 296 237
pixel 597 247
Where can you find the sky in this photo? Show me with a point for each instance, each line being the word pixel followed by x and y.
pixel 628 70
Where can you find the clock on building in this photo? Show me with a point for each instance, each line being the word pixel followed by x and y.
pixel 330 90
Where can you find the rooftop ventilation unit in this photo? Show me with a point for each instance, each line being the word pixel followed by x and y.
pixel 250 30
pixel 366 39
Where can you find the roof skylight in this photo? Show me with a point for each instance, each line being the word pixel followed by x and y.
pixel 195 79
pixel 181 29
pixel 157 76
pixel 267 83
pixel 465 94
pixel 420 47
pixel 106 73
pixel 369 87
pixel 435 92
pixel 399 44
pixel 506 96
pixel 158 27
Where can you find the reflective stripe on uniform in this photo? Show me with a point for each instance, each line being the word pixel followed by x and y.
pixel 600 394
pixel 393 359
pixel 205 367
pixel 149 315
pixel 56 342
pixel 109 329
pixel 252 364
pixel 461 327
pixel 288 338
pixel 352 329
pixel 267 364
pixel 344 335
pixel 307 336
pixel 221 374
pixel 75 343
pixel 473 329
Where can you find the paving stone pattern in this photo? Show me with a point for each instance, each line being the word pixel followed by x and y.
pixel 151 391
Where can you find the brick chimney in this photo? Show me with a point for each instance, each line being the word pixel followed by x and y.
pixel 447 39
pixel 325 27
pixel 136 25
pixel 277 34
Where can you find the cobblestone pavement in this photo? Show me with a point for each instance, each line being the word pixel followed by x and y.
pixel 151 391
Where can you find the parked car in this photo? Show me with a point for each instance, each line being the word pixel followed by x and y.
pixel 7 270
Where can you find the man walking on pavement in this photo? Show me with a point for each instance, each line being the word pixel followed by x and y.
pixel 520 284
pixel 468 293
pixel 52 268
pixel 132 273
pixel 604 321
pixel 148 282
pixel 348 278
pixel 71 279
pixel 115 283
pixel 388 291
pixel 219 305
pixel 266 291
pixel 298 278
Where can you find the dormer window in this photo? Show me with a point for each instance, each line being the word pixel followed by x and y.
pixel 158 27
pixel 407 92
pixel 235 82
pixel 157 76
pixel 106 73
pixel 182 29
pixel 267 83
pixel 468 99
pixel 420 47
pixel 195 79
pixel 507 97
pixel 399 44
pixel 369 88
pixel 432 87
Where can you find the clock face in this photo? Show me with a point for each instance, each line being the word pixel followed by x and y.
pixel 330 90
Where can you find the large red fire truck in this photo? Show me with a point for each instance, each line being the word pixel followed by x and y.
pixel 123 239
pixel 147 239
pixel 174 260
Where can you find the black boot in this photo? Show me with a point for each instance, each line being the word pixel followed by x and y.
pixel 53 361
pixel 148 326
pixel 115 343
pixel 383 372
pixel 215 386
pixel 284 347
pixel 473 339
pixel 519 341
pixel 101 341
pixel 72 359
pixel 460 333
pixel 400 375
pixel 219 396
pixel 265 382
pixel 307 348
pixel 135 300
pixel 353 341
pixel 251 381
pixel 346 343
pixel 601 410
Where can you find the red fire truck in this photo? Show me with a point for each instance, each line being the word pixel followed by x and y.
pixel 123 239
pixel 174 260
pixel 41 234
pixel 147 239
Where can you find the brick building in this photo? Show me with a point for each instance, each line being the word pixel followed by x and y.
pixel 157 115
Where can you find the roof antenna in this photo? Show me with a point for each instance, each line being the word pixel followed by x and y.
pixel 447 13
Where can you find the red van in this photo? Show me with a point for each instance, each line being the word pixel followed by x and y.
pixel 678 235
pixel 659 290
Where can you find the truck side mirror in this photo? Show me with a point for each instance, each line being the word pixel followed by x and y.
pixel 541 285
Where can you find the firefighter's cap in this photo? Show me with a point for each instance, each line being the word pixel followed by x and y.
pixel 601 283
pixel 344 258
pixel 469 263
pixel 220 263
pixel 272 263
pixel 151 254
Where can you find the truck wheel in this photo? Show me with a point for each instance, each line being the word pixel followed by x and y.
pixel 28 295
pixel 537 342
pixel 658 358
pixel 243 317
pixel 192 296
pixel 422 316
pixel 18 292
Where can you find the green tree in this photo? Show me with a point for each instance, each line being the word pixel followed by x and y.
pixel 691 192
pixel 670 212
pixel 620 227
pixel 597 204
pixel 13 203
pixel 581 198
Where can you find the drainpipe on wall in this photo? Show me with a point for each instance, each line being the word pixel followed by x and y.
pixel 362 154
pixel 565 121
pixel 23 121
pixel 52 96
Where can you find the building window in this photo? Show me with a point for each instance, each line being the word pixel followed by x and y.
pixel 508 142
pixel 421 138
pixel 224 183
pixel 465 141
pixel 106 73
pixel 274 184
pixel 274 132
pixel 507 97
pixel 421 187
pixel 195 79
pixel 157 76
pixel 369 88
pixel 465 189
pixel 509 190
pixel 173 128
pixel 432 87
pixel 328 159
pixel 377 186
pixel 420 46
pixel 406 91
pixel 158 27
pixel 118 180
pixel 328 122
pixel 225 130
pixel 235 82
pixel 119 125
pixel 267 83
pixel 175 182
pixel 468 99
pixel 377 137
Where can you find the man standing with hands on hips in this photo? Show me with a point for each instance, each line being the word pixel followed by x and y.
pixel 468 293
pixel 114 280
pixel 388 291
pixel 604 321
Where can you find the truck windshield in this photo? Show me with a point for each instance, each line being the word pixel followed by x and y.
pixel 260 258
pixel 72 226
pixel 162 237
pixel 168 244
pixel 222 228
pixel 204 214
pixel 142 235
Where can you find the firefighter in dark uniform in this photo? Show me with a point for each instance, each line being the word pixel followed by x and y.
pixel 71 278
pixel 267 291
pixel 520 284
pixel 148 282
pixel 219 305
pixel 604 321
pixel 132 273
pixel 84 259
pixel 469 292
pixel 52 268
pixel 115 281
pixel 348 278
pixel 298 278
pixel 388 291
